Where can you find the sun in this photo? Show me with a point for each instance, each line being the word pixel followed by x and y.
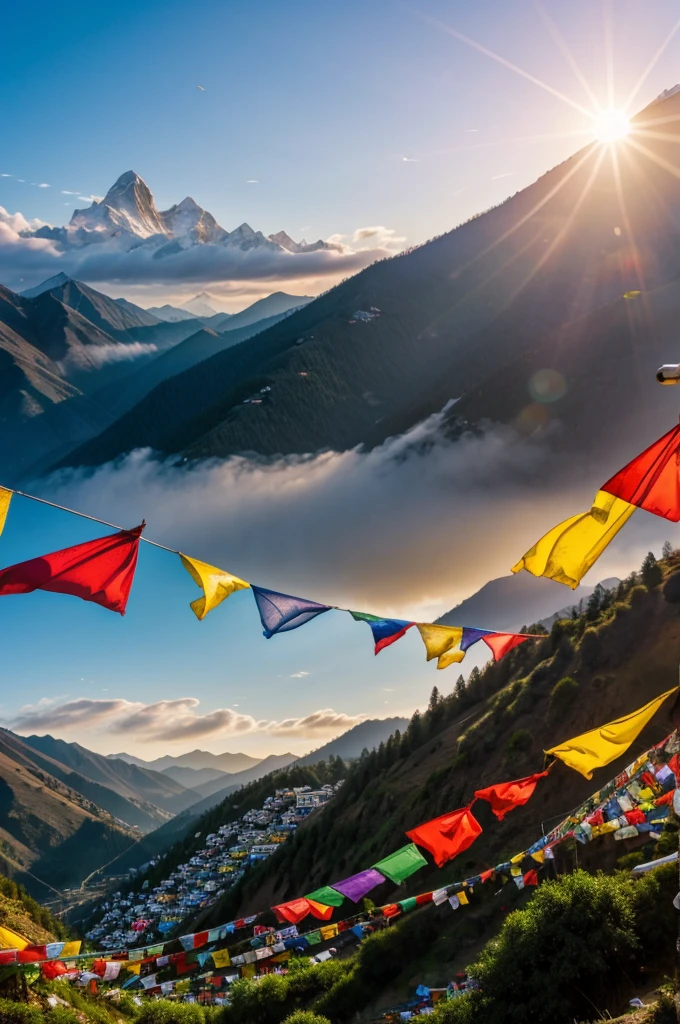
pixel 611 126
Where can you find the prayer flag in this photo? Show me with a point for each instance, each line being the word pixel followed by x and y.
pixel 99 570
pixel 652 480
pixel 11 940
pixel 320 910
pixel 408 904
pixel 442 642
pixel 216 585
pixel 358 885
pixel 471 634
pixel 53 969
pixel 280 613
pixel 5 498
pixel 221 958
pixel 567 552
pixel 531 877
pixel 385 631
pixel 501 644
pixel 598 747
pixel 326 895
pixel 401 864
pixel 506 795
pixel 293 911
pixel 447 836
pixel 462 899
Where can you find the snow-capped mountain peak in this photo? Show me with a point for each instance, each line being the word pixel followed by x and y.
pixel 191 223
pixel 46 286
pixel 199 305
pixel 127 207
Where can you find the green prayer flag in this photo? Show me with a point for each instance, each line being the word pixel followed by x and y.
pixel 313 938
pixel 329 897
pixel 401 864
pixel 408 904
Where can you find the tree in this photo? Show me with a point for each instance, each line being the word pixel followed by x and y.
pixel 435 699
pixel 667 549
pixel 650 571
pixel 459 687
pixel 594 604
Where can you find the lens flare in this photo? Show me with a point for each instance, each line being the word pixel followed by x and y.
pixel 610 126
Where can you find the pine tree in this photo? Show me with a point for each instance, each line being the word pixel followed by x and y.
pixel 650 571
pixel 460 686
pixel 667 549
pixel 435 699
pixel 594 604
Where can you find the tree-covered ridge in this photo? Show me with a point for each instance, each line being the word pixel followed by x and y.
pixel 23 914
pixel 601 663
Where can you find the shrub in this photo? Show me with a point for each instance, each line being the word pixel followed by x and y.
pixel 165 1012
pixel 519 743
pixel 562 696
pixel 306 1017
pixel 638 596
pixel 19 1013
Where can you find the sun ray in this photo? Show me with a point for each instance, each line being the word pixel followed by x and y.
pixel 658 120
pixel 661 136
pixel 503 61
pixel 665 164
pixel 624 216
pixel 577 133
pixel 561 44
pixel 652 64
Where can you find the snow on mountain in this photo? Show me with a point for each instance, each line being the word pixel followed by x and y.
pixel 170 314
pixel 199 305
pixel 189 222
pixel 286 242
pixel 52 282
pixel 128 207
pixel 127 218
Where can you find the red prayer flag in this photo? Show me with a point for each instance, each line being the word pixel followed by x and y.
pixel 52 969
pixel 200 939
pixel 100 571
pixel 501 643
pixel 294 911
pixel 486 875
pixel 32 954
pixel 391 910
pixel 506 795
pixel 652 480
pixel 531 878
pixel 425 897
pixel 447 836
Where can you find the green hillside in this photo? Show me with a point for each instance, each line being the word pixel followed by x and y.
pixel 614 659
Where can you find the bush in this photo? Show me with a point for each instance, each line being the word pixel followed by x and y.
pixel 562 696
pixel 569 948
pixel 165 1012
pixel 519 743
pixel 19 1013
pixel 306 1017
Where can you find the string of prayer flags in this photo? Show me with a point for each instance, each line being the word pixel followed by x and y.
pixel 327 896
pixel 401 864
pixel 12 940
pixel 447 836
pixel 99 570
pixel 216 585
pixel 295 910
pixel 570 549
pixel 280 613
pixel 600 746
pixel 505 796
pixel 357 886
pixel 385 631
pixel 652 480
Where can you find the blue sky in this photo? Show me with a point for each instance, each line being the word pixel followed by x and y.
pixel 320 103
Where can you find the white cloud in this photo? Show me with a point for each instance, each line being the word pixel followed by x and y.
pixel 508 174
pixel 436 501
pixel 252 181
pixel 6 175
pixel 43 184
pixel 410 160
pixel 96 356
pixel 298 675
pixel 170 720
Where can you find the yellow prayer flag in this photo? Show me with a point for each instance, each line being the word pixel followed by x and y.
pixel 329 931
pixel 70 949
pixel 248 971
pixel 5 498
pixel 12 940
pixel 539 856
pixel 221 958
pixel 598 747
pixel 515 870
pixel 462 899
pixel 518 858
pixel 442 642
pixel 216 585
pixel 567 552
pixel 133 968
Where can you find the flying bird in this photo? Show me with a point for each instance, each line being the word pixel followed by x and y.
pixel 200 87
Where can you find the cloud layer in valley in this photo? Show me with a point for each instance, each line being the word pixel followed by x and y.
pixel 171 720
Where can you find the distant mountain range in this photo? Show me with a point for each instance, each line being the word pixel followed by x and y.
pixel 72 360
pixel 546 281
pixel 126 219
pixel 195 759
pixel 366 735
